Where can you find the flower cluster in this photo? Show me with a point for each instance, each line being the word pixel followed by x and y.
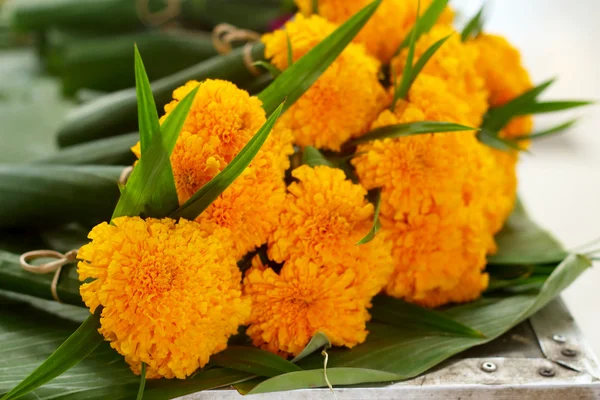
pixel 170 291
pixel 345 99
pixel 221 121
pixel 388 27
pixel 326 282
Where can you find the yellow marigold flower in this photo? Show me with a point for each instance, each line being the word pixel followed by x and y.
pixel 304 298
pixel 426 193
pixel 170 292
pixel 323 218
pixel 454 62
pixel 386 29
pixel 221 121
pixel 343 102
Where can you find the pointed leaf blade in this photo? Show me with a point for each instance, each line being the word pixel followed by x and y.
pixel 313 157
pixel 411 129
pixel 547 132
pixel 150 189
pixel 553 106
pixel 427 21
pixel 213 189
pixel 253 361
pixel 376 223
pixel 318 340
pixel 474 26
pixel 147 113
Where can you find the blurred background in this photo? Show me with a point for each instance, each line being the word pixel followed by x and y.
pixel 47 70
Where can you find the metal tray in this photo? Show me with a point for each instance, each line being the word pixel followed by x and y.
pixel 544 358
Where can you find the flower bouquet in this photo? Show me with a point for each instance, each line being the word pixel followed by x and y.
pixel 356 221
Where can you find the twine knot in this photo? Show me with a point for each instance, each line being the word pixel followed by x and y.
pixel 157 18
pixel 52 266
pixel 224 35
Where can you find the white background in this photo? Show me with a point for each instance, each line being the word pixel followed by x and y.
pixel 560 180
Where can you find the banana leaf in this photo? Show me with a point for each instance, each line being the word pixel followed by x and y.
pixel 115 113
pixel 50 195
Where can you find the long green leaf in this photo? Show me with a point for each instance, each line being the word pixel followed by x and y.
pixel 547 132
pixel 414 71
pixel 313 157
pixel 253 361
pixel 521 241
pixel 270 68
pixel 426 22
pixel 150 189
pixel 77 347
pixel 400 313
pixel 498 117
pixel 401 90
pixel 316 378
pixel 474 26
pixel 492 139
pixel 376 223
pixel 147 115
pixel 299 77
pixel 543 107
pixel 411 129
pixel 50 195
pixel 213 189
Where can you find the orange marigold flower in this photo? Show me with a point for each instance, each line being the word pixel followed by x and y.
pixel 426 198
pixel 290 307
pixel 343 102
pixel 220 123
pixel 386 29
pixel 170 292
pixel 323 218
pixel 454 62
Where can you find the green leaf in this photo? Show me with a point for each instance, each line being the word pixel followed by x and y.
pixel 474 26
pixel 253 361
pixel 213 189
pixel 150 190
pixel 270 68
pixel 299 77
pixel 376 223
pixel 492 139
pixel 140 394
pixel 521 241
pixel 400 313
pixel 290 51
pixel 498 117
pixel 77 347
pixel 318 340
pixel 110 151
pixel 543 107
pixel 547 132
pixel 401 90
pixel 147 115
pixel 315 7
pixel 313 157
pixel 35 330
pixel 411 129
pixel 316 378
pixel 50 195
pixel 426 22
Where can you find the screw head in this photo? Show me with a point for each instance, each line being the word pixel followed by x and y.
pixel 559 338
pixel 569 352
pixel 488 367
pixel 547 372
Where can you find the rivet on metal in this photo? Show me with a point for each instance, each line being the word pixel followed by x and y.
pixel 559 338
pixel 569 352
pixel 489 367
pixel 548 372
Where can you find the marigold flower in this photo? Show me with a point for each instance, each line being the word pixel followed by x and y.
pixel 170 292
pixel 305 297
pixel 454 62
pixel 438 238
pixel 386 29
pixel 323 218
pixel 345 99
pixel 220 123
